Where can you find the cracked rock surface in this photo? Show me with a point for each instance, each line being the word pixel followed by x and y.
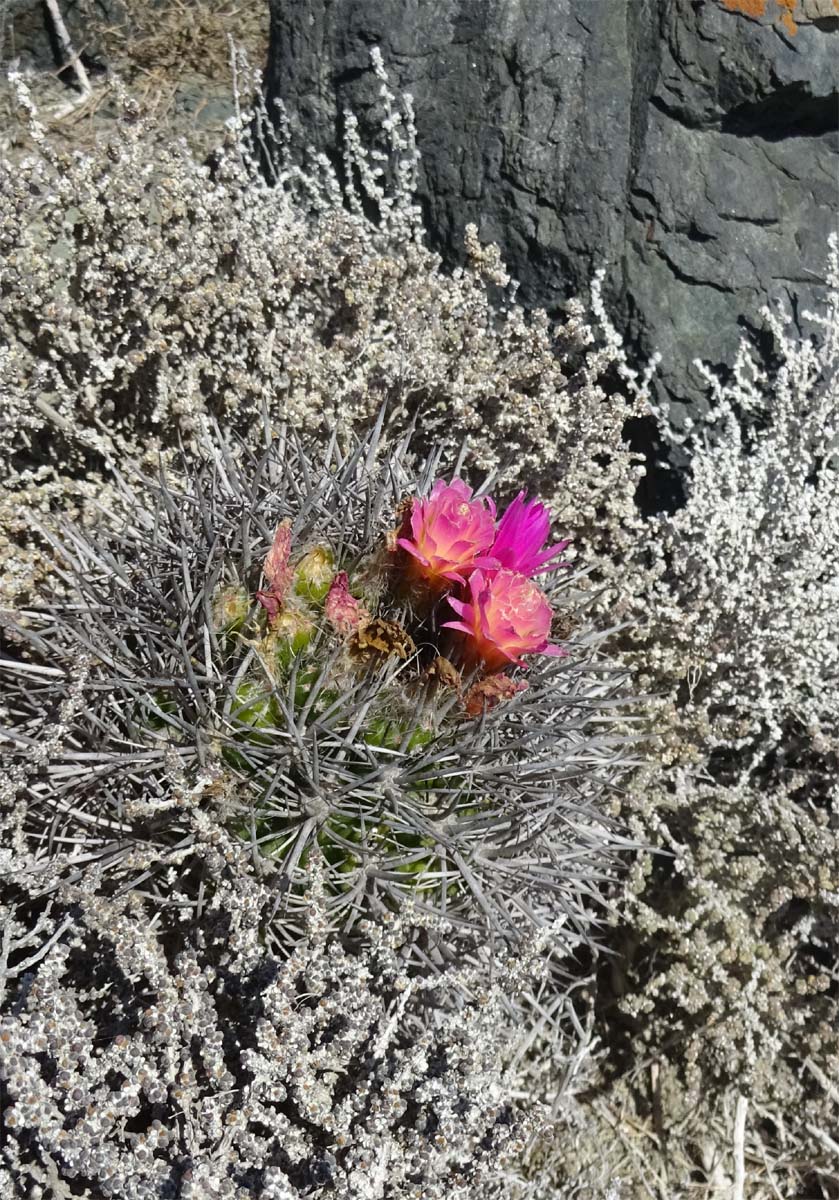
pixel 692 146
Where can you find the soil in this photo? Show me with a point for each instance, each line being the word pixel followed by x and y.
pixel 173 57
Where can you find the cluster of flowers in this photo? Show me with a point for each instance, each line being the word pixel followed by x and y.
pixel 455 545
pixel 449 556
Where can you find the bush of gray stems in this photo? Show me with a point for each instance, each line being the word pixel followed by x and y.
pixel 179 1020
pixel 225 1071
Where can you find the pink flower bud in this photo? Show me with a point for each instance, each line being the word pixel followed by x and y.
pixel 508 616
pixel 277 572
pixel 343 611
pixel 521 535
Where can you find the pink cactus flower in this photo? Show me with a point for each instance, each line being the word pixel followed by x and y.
pixel 450 533
pixel 508 616
pixel 521 535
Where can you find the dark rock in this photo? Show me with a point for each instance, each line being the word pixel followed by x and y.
pixel 690 147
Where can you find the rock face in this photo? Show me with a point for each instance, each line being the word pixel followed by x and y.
pixel 691 146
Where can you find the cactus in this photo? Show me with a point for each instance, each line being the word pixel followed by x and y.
pixel 272 638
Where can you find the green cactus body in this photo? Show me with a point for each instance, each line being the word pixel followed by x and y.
pixel 390 734
pixel 340 842
pixel 154 711
pixel 254 709
pixel 288 637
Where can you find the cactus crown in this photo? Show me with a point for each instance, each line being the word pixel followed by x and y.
pixel 267 652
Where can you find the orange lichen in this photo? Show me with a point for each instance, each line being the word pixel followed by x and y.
pixel 757 9
pixel 788 8
pixel 749 8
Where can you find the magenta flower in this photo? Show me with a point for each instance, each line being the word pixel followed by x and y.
pixel 450 533
pixel 507 616
pixel 521 535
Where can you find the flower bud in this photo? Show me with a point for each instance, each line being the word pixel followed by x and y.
pixel 231 606
pixel 314 573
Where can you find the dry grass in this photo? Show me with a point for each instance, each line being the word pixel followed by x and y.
pixel 173 56
pixel 177 37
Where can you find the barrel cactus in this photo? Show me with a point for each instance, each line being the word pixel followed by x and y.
pixel 338 649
